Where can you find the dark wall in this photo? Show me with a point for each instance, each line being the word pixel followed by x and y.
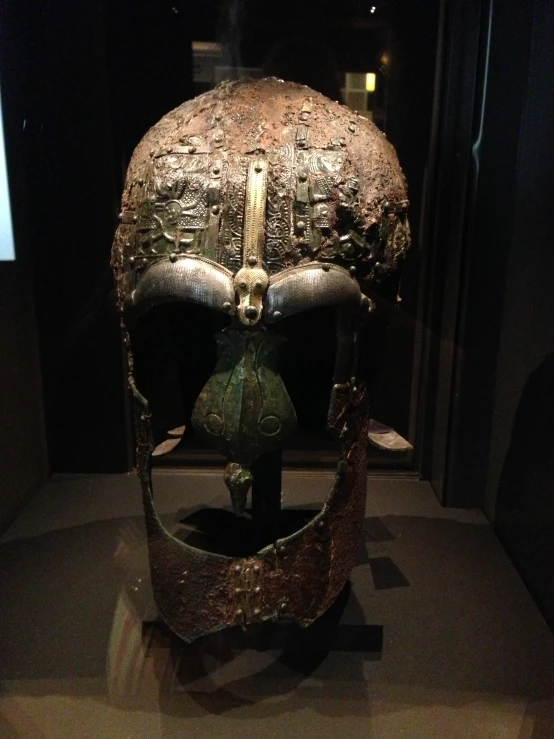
pixel 23 454
pixel 54 63
pixel 451 176
pixel 527 330
pixel 88 80
pixel 149 66
pixel 520 481
pixel 489 237
pixel 23 460
pixel 501 408
pixel 505 326
pixel 55 72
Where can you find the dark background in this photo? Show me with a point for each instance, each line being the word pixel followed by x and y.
pixel 472 120
pixel 82 84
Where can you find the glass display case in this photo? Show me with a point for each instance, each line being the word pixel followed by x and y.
pixel 282 608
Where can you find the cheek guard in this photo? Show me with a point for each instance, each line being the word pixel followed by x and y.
pixel 260 200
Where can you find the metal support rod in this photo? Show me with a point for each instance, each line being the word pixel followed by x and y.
pixel 266 498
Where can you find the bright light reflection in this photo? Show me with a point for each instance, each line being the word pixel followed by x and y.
pixel 7 251
pixel 370 82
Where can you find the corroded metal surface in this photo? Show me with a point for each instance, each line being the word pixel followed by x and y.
pixel 244 410
pixel 335 191
pixel 261 199
pixel 296 578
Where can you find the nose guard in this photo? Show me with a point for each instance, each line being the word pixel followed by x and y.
pixel 244 409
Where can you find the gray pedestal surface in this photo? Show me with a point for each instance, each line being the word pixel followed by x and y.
pixel 465 652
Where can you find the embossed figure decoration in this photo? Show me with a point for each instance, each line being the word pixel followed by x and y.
pixel 259 200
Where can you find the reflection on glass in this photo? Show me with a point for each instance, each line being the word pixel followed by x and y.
pixel 7 251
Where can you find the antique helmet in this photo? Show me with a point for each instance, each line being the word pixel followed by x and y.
pixel 259 200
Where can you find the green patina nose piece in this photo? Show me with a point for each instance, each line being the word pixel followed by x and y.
pixel 244 408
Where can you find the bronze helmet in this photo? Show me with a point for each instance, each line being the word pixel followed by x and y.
pixel 259 200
